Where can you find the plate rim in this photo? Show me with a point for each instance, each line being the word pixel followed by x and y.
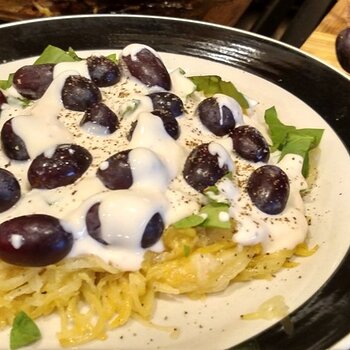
pixel 289 48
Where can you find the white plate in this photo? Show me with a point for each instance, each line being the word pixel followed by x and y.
pixel 214 323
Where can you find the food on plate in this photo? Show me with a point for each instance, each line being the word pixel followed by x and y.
pixel 124 178
pixel 342 48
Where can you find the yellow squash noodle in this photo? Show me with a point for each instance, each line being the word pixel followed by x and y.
pixel 92 297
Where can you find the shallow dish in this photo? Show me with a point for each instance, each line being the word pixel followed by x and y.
pixel 308 94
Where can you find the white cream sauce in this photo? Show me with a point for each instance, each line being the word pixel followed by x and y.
pixel 133 49
pixel 232 105
pixel 156 162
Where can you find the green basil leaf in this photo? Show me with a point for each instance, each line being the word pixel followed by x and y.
pixel 5 84
pixel 71 52
pixel 213 84
pixel 214 212
pixel 187 250
pixel 25 102
pixel 212 189
pixel 24 331
pixel 53 54
pixel 189 221
pixel 300 145
pixel 278 131
pixel 289 139
pixel 112 57
pixel 128 107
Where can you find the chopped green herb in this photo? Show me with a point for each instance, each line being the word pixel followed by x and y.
pixel 289 139
pixel 53 54
pixel 215 212
pixel 24 331
pixel 129 107
pixel 71 52
pixel 187 250
pixel 213 84
pixel 5 84
pixel 189 221
pixel 112 57
pixel 210 215
pixel 212 189
pixel 24 102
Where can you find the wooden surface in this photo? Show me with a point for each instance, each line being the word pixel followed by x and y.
pixel 321 43
pixel 228 12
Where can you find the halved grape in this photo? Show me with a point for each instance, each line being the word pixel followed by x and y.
pixel 115 172
pixel 153 231
pixel 167 101
pixel 67 164
pixel 171 125
pixel 12 145
pixel 148 68
pixel 33 80
pixel 93 223
pixel 101 115
pixel 79 93
pixel 103 71
pixel 218 119
pixel 10 190
pixel 250 144
pixel 3 99
pixel 202 169
pixel 268 188
pixel 34 240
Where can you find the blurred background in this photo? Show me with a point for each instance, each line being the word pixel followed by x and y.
pixel 290 21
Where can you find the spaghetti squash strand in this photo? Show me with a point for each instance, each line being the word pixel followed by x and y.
pixel 92 297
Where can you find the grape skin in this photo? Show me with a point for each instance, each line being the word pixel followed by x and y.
pixel 10 190
pixel 268 188
pixel 202 169
pixel 148 69
pixel 103 71
pixel 220 121
pixel 117 175
pixel 12 145
pixel 64 167
pixel 32 81
pixel 79 93
pixel 41 240
pixel 101 115
pixel 250 144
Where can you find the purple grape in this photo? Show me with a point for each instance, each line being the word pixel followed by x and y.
pixel 79 93
pixel 93 223
pixel 171 125
pixel 3 99
pixel 220 121
pixel 268 188
pixel 153 231
pixel 342 48
pixel 101 115
pixel 117 175
pixel 64 167
pixel 250 144
pixel 148 68
pixel 12 145
pixel 10 190
pixel 166 101
pixel 34 240
pixel 103 71
pixel 33 80
pixel 202 169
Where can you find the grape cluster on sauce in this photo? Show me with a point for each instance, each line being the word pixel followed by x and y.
pixel 40 239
